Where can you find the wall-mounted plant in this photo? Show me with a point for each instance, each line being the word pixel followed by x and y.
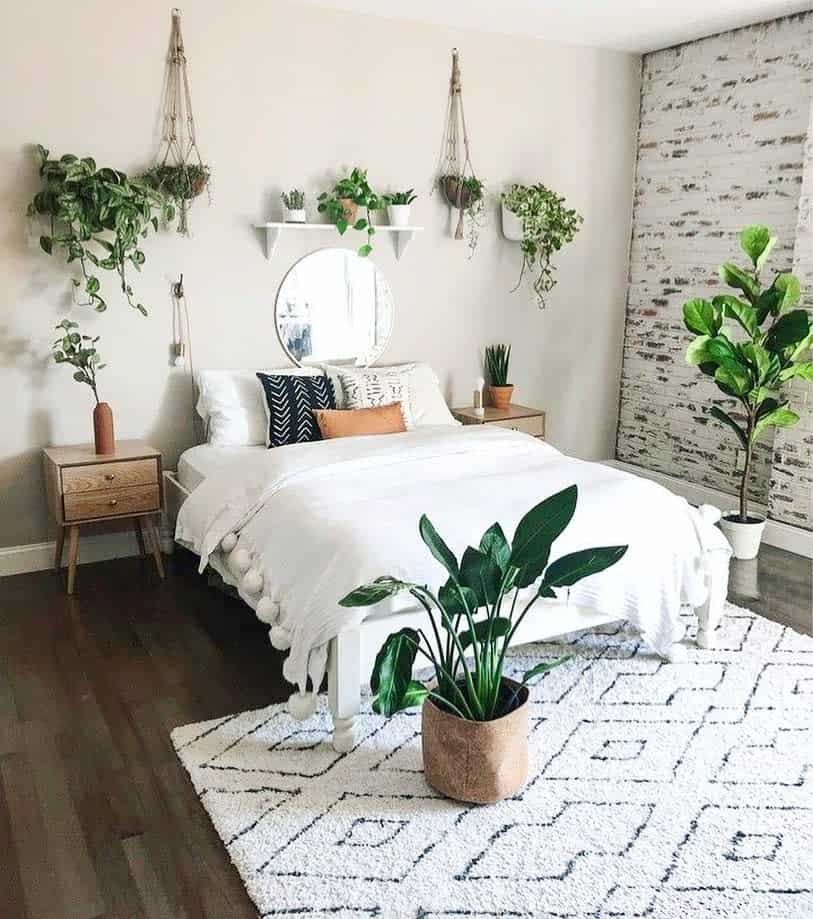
pixel 180 184
pixel 547 225
pixel 467 194
pixel 97 218
pixel 399 204
pixel 771 349
pixel 342 203
pixel 294 204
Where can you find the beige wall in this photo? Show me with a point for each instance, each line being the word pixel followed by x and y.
pixel 287 95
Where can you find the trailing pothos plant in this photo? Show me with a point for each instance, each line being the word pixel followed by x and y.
pixel 97 218
pixel 770 350
pixel 547 225
pixel 356 189
pixel 475 614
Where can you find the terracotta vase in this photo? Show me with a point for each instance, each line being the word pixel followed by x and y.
pixel 103 428
pixel 500 396
pixel 480 762
pixel 350 208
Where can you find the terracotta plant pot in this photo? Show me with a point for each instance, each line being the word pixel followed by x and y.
pixel 480 762
pixel 103 428
pixel 456 192
pixel 350 208
pixel 500 396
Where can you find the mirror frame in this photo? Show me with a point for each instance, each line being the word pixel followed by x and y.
pixel 348 362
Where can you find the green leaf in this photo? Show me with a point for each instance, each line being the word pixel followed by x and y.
pixel 755 240
pixel 721 350
pixel 482 575
pixel 744 313
pixel 733 379
pixel 341 225
pixel 573 567
pixel 789 329
pixel 365 250
pixel 726 419
pixel 803 370
pixel 537 531
pixel 544 668
pixel 764 364
pixel 697 352
pixel 92 285
pixel 735 277
pixel 375 592
pixel 500 626
pixel 80 376
pixel 450 600
pixel 360 224
pixel 806 344
pixel 780 417
pixel 700 317
pixel 391 679
pixel 46 244
pixel 789 289
pixel 438 547
pixel 494 544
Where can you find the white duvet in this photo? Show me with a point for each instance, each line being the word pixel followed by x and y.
pixel 315 520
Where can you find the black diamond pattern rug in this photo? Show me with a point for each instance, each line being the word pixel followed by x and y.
pixel 655 790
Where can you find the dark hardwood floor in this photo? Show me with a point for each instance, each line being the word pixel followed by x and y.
pixel 97 816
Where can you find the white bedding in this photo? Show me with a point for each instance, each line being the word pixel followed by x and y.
pixel 205 460
pixel 315 520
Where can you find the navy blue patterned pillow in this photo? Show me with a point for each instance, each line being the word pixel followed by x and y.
pixel 290 402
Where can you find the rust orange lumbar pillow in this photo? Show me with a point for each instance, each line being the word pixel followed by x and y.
pixel 383 419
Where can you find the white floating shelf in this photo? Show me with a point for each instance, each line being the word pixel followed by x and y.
pixel 402 236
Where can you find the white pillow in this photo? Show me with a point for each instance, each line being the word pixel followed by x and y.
pixel 365 389
pixel 232 405
pixel 426 402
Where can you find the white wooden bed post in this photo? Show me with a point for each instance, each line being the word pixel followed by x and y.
pixel 344 682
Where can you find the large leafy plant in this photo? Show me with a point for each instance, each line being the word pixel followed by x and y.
pixel 355 188
pixel 751 367
pixel 98 218
pixel 475 614
pixel 79 351
pixel 547 225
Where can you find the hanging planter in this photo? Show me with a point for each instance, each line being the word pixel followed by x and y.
pixel 457 181
pixel 180 174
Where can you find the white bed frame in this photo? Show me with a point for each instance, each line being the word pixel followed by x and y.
pixel 352 652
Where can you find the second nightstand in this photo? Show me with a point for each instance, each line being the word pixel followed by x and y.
pixel 516 417
pixel 84 487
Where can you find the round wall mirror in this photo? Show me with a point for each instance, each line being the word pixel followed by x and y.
pixel 334 306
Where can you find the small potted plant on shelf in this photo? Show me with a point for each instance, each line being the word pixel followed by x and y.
pixel 80 352
pixel 466 193
pixel 341 206
pixel 500 390
pixel 539 219
pixel 180 183
pixel 294 206
pixel 751 368
pixel 475 719
pixel 398 207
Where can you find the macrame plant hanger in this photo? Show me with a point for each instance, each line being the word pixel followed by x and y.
pixel 450 173
pixel 179 143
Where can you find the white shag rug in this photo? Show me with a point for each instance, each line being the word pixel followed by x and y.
pixel 655 790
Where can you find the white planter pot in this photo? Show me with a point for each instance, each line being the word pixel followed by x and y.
pixel 300 215
pixel 398 214
pixel 511 225
pixel 744 537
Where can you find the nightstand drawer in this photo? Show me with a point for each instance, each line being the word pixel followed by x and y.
pixel 534 425
pixel 138 499
pixel 99 476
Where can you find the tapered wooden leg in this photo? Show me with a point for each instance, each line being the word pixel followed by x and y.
pixel 139 535
pixel 73 556
pixel 344 687
pixel 155 544
pixel 60 544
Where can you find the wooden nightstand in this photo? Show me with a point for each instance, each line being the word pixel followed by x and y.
pixel 516 417
pixel 85 487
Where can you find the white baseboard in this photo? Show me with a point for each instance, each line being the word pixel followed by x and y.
pixel 781 535
pixel 98 547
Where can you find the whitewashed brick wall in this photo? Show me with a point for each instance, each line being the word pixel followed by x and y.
pixel 724 122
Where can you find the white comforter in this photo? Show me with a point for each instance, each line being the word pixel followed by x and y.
pixel 316 520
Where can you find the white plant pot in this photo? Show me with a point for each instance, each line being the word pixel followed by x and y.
pixel 744 537
pixel 398 214
pixel 511 225
pixel 300 215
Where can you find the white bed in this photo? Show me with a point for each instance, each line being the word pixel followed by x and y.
pixel 295 528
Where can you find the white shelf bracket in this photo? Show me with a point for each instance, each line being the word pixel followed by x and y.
pixel 271 240
pixel 402 241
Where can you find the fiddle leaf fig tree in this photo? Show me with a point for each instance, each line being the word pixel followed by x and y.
pixel 97 217
pixel 752 359
pixel 473 617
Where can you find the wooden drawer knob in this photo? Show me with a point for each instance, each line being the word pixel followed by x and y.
pixel 113 502
pixel 110 476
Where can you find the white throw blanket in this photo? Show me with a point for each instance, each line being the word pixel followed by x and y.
pixel 312 521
